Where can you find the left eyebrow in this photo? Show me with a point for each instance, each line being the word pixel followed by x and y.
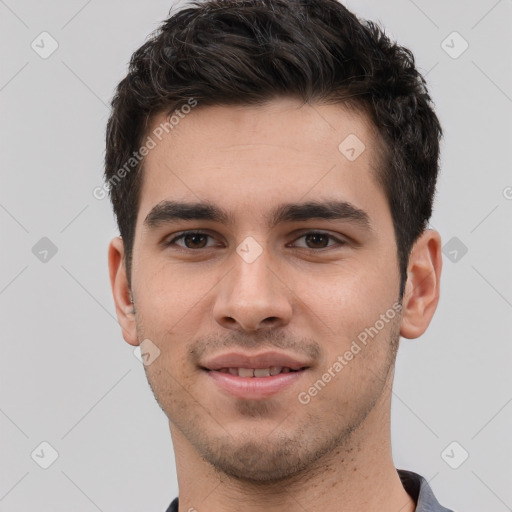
pixel 169 211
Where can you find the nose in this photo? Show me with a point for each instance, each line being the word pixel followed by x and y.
pixel 253 296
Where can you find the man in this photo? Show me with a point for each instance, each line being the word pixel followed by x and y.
pixel 272 166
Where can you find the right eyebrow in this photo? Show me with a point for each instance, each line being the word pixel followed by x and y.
pixel 169 211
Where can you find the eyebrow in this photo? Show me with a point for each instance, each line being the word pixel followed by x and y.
pixel 169 211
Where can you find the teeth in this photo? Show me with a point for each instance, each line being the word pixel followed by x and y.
pixel 256 372
pixel 275 370
pixel 245 372
pixel 262 372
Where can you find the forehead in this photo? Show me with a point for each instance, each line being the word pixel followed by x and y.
pixel 250 158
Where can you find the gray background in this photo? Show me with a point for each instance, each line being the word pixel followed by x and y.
pixel 68 377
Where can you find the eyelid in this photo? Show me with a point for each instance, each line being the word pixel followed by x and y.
pixel 340 241
pixel 182 234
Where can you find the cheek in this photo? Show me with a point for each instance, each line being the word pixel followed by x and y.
pixel 172 389
pixel 347 321
pixel 347 299
pixel 170 296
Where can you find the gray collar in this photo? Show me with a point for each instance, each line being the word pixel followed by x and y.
pixel 419 490
pixel 415 485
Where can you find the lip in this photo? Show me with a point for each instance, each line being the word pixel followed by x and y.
pixel 254 387
pixel 262 360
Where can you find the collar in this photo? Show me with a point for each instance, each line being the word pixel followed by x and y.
pixel 419 490
pixel 415 485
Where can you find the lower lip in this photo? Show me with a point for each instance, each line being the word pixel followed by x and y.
pixel 254 387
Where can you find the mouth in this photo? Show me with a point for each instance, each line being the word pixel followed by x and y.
pixel 258 372
pixel 254 376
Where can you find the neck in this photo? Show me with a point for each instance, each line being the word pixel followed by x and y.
pixel 358 475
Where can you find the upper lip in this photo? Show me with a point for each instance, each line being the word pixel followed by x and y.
pixel 262 360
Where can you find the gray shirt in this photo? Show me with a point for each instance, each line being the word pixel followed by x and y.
pixel 415 485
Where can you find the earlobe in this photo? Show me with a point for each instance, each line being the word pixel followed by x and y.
pixel 121 291
pixel 423 284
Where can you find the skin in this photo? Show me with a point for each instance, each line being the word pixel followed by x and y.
pixel 308 297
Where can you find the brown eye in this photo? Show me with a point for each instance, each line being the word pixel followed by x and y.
pixel 319 240
pixel 191 240
pixel 195 240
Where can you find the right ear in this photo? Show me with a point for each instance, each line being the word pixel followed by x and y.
pixel 121 291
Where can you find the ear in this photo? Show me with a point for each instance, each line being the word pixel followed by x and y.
pixel 423 284
pixel 121 291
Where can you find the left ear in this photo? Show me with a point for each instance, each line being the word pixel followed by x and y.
pixel 423 284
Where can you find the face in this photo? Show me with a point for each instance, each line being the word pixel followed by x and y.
pixel 263 248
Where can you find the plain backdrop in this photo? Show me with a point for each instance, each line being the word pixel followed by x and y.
pixel 68 379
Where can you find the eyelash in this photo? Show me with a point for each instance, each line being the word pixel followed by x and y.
pixel 187 233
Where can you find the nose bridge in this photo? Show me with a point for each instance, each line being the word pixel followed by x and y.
pixel 251 296
pixel 253 279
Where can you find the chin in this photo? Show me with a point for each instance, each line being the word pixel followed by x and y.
pixel 260 462
pixel 274 456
